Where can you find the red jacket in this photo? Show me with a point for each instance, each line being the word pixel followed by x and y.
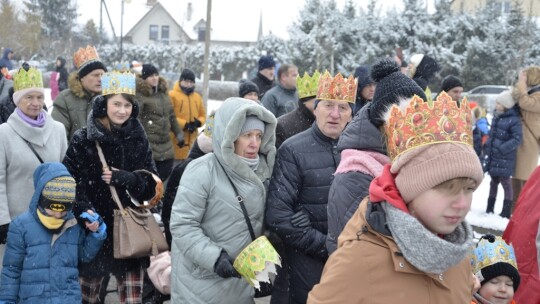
pixel 521 233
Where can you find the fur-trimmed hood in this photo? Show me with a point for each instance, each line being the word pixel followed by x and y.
pixel 75 86
pixel 145 89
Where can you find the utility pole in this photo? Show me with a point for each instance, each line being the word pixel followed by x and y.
pixel 206 79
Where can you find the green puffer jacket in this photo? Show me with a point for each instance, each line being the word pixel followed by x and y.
pixel 157 117
pixel 72 106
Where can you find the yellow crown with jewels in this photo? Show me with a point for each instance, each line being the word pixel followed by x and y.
pixel 308 86
pixel 489 253
pixel 337 88
pixel 25 80
pixel 85 56
pixel 424 123
pixel 118 83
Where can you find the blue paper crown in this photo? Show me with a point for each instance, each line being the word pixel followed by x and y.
pixel 487 253
pixel 117 83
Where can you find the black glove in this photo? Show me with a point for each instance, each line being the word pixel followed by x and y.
pixel 300 219
pixel 191 127
pixel 123 178
pixel 180 139
pixel 224 266
pixel 197 123
pixel 3 233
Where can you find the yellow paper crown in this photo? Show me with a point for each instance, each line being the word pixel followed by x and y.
pixel 25 80
pixel 85 56
pixel 118 83
pixel 337 88
pixel 308 86
pixel 256 261
pixel 489 253
pixel 423 123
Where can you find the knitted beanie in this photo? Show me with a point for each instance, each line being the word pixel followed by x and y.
pixel 252 123
pixel 425 167
pixel 148 70
pixel 422 69
pixel 392 85
pixel 187 74
pixel 60 189
pixel 91 66
pixel 505 99
pixel 449 82
pixel 246 86
pixel 266 61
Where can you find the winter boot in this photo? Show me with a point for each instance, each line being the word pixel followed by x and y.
pixel 507 209
pixel 490 205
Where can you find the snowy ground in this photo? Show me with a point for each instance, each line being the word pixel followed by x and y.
pixel 477 216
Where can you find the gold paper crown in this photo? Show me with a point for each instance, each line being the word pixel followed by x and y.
pixel 308 86
pixel 337 88
pixel 118 83
pixel 425 123
pixel 489 253
pixel 257 261
pixel 84 56
pixel 25 80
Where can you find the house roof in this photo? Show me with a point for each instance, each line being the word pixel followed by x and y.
pixel 157 6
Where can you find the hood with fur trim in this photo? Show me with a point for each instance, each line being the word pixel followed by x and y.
pixel 75 86
pixel 145 89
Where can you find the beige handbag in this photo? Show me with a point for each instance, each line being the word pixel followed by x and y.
pixel 136 233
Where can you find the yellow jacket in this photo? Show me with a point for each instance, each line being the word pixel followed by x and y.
pixel 187 108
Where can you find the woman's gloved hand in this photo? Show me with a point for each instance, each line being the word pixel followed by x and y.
pixel 224 266
pixel 300 219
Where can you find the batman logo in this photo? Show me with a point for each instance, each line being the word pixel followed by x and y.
pixel 57 207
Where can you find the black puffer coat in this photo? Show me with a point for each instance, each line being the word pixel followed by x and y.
pixel 302 176
pixel 263 83
pixel 126 149
pixel 351 184
pixel 293 123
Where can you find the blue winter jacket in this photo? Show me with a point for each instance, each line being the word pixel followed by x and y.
pixel 39 266
pixel 4 61
pixel 481 128
pixel 504 139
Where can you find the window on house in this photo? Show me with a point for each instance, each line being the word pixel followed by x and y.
pixel 164 32
pixel 154 32
pixel 202 34
pixel 503 7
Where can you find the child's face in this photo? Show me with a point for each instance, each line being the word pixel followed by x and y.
pixel 499 107
pixel 55 214
pixel 440 211
pixel 499 290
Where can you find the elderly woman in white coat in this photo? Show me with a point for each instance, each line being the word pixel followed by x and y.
pixel 207 223
pixel 29 137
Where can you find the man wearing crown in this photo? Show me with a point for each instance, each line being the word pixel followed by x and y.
pixel 302 117
pixel 29 137
pixel 298 191
pixel 72 105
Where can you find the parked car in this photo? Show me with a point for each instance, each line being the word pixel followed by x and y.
pixel 485 95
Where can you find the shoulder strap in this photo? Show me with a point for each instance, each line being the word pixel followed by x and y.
pixel 241 202
pixel 115 196
pixel 33 150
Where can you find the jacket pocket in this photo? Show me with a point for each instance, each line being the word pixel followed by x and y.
pixel 202 273
pixel 32 291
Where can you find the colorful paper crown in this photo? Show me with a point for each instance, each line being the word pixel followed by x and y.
pixel 85 56
pixel 489 253
pixel 25 80
pixel 308 86
pixel 118 83
pixel 337 88
pixel 257 261
pixel 423 123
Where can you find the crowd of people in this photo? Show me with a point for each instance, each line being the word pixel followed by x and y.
pixel 361 182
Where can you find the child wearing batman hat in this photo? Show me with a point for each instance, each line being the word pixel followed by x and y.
pixel 494 264
pixel 46 244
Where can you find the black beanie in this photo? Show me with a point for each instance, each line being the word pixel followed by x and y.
pixel 392 85
pixel 148 70
pixel 187 74
pixel 425 71
pixel 246 86
pixel 364 79
pixel 449 82
pixel 499 269
pixel 266 61
pixel 91 66
pixel 99 107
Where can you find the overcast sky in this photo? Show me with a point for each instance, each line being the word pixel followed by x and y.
pixel 277 14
